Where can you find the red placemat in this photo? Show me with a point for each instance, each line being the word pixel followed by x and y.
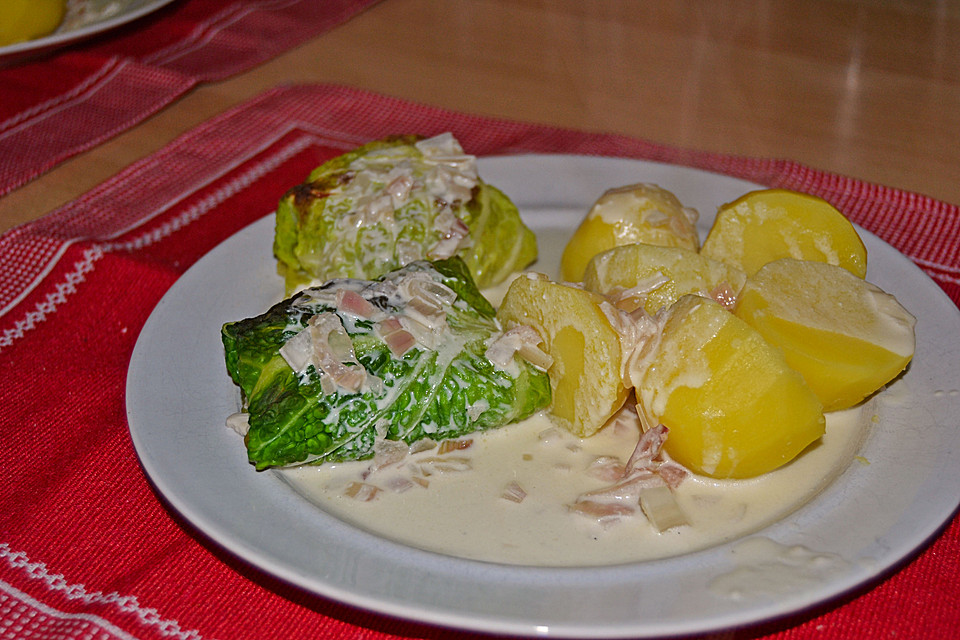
pixel 88 550
pixel 55 107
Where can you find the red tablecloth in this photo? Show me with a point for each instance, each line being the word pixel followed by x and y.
pixel 57 106
pixel 88 550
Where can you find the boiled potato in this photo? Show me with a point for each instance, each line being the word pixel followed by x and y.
pixel 585 375
pixel 655 277
pixel 627 215
pixel 22 20
pixel 763 226
pixel 733 406
pixel 846 336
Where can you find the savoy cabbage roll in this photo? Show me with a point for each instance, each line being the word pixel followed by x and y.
pixel 396 201
pixel 414 354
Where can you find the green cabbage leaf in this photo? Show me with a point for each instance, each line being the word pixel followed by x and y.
pixel 394 201
pixel 443 387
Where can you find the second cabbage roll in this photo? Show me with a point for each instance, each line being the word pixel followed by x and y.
pixel 396 201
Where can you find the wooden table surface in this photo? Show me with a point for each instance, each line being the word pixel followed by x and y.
pixel 866 88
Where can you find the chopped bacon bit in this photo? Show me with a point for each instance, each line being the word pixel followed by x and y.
pixel 454 445
pixel 602 512
pixel 354 304
pixel 361 491
pixel 672 473
pixel 724 294
pixel 628 489
pixel 514 493
pixel 388 325
pixel 398 339
pixel 400 342
pixel 606 468
pixel 647 448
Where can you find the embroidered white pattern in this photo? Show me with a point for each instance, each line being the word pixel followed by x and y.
pixel 77 275
pixel 56 582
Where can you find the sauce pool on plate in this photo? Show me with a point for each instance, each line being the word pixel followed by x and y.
pixel 469 507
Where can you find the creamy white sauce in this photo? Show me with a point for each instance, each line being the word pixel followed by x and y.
pixel 463 514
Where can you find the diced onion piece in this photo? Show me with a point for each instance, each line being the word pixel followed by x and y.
pixel 333 352
pixel 535 356
pixel 661 508
pixel 447 464
pixel 424 444
pixel 298 351
pixel 454 445
pixel 239 422
pixel 399 190
pixel 522 340
pixel 477 409
pixel 408 252
pixel 513 492
pixel 399 484
pixel 387 453
pixel 361 491
pixel 426 313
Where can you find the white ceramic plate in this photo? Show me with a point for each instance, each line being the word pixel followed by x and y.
pixel 85 18
pixel 873 516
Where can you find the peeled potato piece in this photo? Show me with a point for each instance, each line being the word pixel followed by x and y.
pixel 763 226
pixel 655 277
pixel 733 406
pixel 627 215
pixel 585 375
pixel 846 336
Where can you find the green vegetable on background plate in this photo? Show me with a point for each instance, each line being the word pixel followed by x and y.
pixel 396 201
pixel 330 371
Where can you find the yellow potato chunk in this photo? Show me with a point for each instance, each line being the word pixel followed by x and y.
pixel 585 375
pixel 734 408
pixel 22 20
pixel 763 226
pixel 846 336
pixel 627 215
pixel 636 275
